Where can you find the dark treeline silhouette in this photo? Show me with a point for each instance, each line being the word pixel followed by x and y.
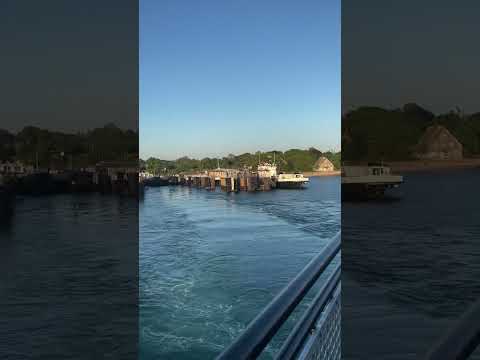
pixel 374 133
pixel 45 148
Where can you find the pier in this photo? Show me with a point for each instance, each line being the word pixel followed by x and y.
pixel 107 177
pixel 228 181
pixel 232 180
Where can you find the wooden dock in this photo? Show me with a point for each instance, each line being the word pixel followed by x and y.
pixel 228 180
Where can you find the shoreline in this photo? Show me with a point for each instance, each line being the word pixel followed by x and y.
pixel 321 173
pixel 427 165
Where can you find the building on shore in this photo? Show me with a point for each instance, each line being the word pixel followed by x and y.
pixel 15 168
pixel 222 173
pixel 437 143
pixel 323 165
pixel 267 170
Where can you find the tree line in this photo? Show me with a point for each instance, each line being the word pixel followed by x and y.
pixel 33 145
pixel 289 161
pixel 374 133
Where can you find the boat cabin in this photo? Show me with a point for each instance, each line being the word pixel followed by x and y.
pixel 370 170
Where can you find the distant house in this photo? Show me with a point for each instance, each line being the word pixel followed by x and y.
pixel 323 164
pixel 437 143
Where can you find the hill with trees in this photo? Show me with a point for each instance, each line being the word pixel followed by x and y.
pixel 373 133
pixel 81 149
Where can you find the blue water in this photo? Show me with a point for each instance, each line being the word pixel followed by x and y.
pixel 411 265
pixel 210 261
pixel 68 278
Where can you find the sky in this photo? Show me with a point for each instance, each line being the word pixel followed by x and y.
pixel 220 77
pixel 395 52
pixel 69 66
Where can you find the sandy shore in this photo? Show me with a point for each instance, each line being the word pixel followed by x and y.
pixel 322 173
pixel 420 165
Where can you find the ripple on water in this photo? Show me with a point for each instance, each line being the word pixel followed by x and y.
pixel 209 262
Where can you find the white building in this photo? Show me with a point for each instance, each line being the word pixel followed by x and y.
pixel 267 170
pixel 15 168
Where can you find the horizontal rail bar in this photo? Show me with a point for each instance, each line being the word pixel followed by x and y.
pixel 296 338
pixel 261 330
pixel 462 340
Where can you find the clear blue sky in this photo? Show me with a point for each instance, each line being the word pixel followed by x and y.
pixel 234 76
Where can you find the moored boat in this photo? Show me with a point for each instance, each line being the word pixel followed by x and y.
pixel 156 181
pixel 291 181
pixel 281 180
pixel 367 182
pixel 37 183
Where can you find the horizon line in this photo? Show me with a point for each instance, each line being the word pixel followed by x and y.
pixel 247 152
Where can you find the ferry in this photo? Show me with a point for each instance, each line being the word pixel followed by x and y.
pixel 267 170
pixel 291 181
pixel 283 181
pixel 368 181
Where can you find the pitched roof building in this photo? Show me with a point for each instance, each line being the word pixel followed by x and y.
pixel 323 164
pixel 437 143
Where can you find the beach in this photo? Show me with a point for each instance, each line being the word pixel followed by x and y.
pixel 322 173
pixel 422 165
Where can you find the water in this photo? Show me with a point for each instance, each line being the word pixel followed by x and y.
pixel 68 278
pixel 210 261
pixel 410 267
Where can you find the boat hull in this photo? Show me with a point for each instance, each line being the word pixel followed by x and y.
pixel 365 191
pixel 290 184
pixel 156 181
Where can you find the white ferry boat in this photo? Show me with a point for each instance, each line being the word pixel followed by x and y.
pixel 368 181
pixel 291 181
pixel 267 170
pixel 283 181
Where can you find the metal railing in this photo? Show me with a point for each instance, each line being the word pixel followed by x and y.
pixel 324 341
pixel 318 329
pixel 463 338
